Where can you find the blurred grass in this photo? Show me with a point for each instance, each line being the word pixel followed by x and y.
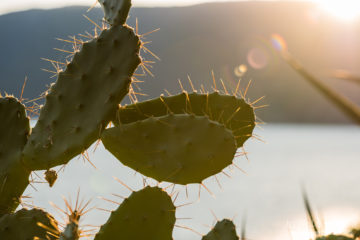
pixel 347 107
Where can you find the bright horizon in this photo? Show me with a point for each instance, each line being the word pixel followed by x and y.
pixel 342 9
pixel 21 5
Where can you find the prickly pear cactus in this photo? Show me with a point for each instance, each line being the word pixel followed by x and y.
pixel 84 98
pixel 234 113
pixel 14 132
pixel 116 11
pixel 356 233
pixel 28 225
pixel 146 214
pixel 223 230
pixel 72 231
pixel 177 148
pixel 182 139
pixel 334 237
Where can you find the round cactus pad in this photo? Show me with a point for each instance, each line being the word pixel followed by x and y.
pixel 82 101
pixel 182 148
pixel 147 214
pixel 28 225
pixel 14 132
pixel 234 113
pixel 223 230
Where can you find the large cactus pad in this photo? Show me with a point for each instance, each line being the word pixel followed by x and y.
pixel 335 237
pixel 28 225
pixel 223 230
pixel 234 113
pixel 84 98
pixel 116 11
pixel 14 131
pixel 182 148
pixel 147 214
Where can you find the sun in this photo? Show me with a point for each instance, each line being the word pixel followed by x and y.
pixel 343 9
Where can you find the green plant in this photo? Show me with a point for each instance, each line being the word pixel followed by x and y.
pixel 181 139
pixel 223 230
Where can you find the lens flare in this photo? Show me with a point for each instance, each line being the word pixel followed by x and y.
pixel 258 58
pixel 278 42
pixel 240 70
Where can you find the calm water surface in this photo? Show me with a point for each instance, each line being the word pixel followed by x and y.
pixel 324 159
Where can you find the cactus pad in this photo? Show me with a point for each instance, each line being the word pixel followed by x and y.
pixel 147 214
pixel 335 237
pixel 85 96
pixel 234 113
pixel 28 225
pixel 116 11
pixel 181 148
pixel 14 131
pixel 223 230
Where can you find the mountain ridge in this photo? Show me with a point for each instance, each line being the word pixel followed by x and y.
pixel 193 40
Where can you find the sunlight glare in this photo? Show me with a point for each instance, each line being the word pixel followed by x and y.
pixel 342 9
pixel 335 221
pixel 338 221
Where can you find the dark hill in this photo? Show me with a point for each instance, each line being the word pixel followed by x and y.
pixel 192 41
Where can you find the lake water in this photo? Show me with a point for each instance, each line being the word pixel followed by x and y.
pixel 324 159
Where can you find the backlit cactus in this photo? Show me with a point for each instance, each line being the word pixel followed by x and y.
pixel 34 224
pixel 146 214
pixel 14 132
pixel 223 230
pixel 81 102
pixel 237 115
pixel 115 11
pixel 182 139
pixel 179 148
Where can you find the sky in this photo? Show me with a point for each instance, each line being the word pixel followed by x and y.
pixel 7 6
pixel 342 9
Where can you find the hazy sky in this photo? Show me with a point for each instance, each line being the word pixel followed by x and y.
pixel 18 5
